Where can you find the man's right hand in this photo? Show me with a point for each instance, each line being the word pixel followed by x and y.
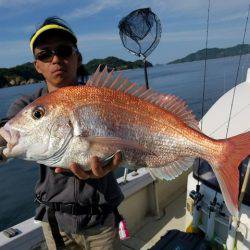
pixel 97 169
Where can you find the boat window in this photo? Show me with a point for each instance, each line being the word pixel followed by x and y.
pixel 208 178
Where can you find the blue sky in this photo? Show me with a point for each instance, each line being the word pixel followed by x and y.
pixel 95 23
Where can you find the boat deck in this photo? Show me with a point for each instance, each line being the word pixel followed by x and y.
pixel 153 228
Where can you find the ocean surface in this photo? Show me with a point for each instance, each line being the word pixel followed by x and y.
pixel 185 80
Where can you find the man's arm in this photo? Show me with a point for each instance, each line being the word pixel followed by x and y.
pixel 2 122
pixel 2 141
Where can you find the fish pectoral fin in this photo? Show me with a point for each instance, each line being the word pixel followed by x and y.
pixel 172 170
pixel 116 141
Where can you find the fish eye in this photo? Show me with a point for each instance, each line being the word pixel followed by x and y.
pixel 38 113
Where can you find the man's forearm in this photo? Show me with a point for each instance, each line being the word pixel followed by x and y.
pixel 2 141
pixel 2 123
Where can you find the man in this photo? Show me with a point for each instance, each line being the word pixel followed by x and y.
pixel 76 207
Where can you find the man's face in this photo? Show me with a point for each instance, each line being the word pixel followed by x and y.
pixel 59 71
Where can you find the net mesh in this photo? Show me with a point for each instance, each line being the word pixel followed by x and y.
pixel 140 31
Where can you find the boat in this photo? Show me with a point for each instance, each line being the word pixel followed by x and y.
pixel 212 216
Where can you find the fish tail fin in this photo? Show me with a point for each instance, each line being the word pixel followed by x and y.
pixel 225 165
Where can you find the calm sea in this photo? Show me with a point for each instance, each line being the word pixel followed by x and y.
pixel 185 80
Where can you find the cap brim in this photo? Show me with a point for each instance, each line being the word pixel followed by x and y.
pixel 50 27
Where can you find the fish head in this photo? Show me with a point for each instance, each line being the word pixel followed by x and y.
pixel 38 131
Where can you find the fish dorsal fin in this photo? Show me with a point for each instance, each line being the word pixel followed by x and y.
pixel 170 103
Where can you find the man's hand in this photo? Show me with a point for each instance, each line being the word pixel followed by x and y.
pixel 97 170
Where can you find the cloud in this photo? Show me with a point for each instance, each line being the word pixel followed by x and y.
pixel 14 53
pixel 98 37
pixel 16 29
pixel 92 9
pixel 14 47
pixel 17 3
pixel 184 21
pixel 217 34
pixel 233 17
pixel 191 6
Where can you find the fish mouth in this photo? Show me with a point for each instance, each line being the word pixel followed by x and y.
pixel 8 140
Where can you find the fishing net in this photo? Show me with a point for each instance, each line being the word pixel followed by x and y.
pixel 140 32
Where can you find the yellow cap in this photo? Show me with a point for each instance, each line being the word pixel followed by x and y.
pixel 50 27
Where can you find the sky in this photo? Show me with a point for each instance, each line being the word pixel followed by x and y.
pixel 95 22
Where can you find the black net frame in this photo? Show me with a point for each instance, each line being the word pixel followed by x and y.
pixel 136 27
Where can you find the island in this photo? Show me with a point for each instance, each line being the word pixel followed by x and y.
pixel 26 73
pixel 212 53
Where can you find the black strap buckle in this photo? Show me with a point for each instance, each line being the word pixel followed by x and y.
pixel 37 199
pixel 68 208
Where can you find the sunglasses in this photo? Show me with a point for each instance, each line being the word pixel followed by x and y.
pixel 63 51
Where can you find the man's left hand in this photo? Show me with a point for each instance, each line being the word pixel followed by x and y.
pixel 97 169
